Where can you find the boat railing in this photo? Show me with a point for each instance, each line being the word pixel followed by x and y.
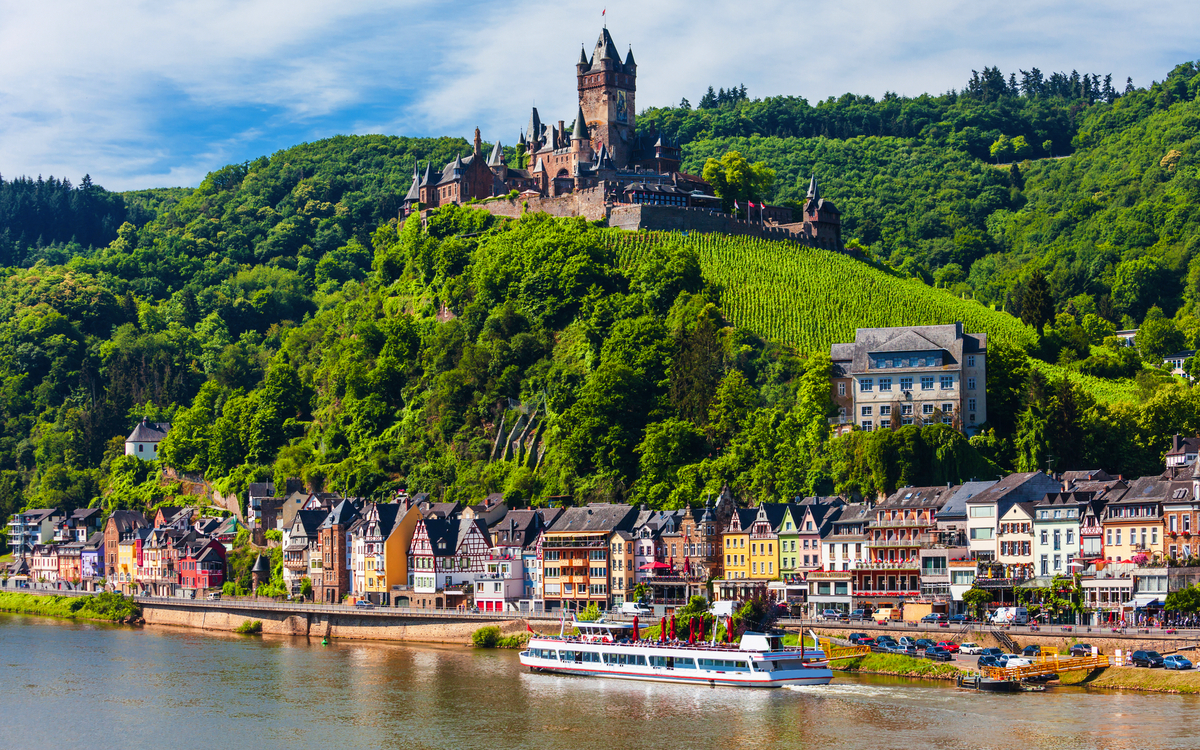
pixel 720 647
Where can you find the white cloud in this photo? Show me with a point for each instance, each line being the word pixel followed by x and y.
pixel 159 93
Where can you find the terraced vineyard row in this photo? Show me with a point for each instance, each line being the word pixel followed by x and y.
pixel 811 298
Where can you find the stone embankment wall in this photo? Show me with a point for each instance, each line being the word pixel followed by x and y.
pixel 350 625
pixel 1106 642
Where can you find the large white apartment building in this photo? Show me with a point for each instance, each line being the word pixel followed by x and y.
pixel 914 375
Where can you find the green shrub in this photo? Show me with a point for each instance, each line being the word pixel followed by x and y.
pixel 249 627
pixel 486 637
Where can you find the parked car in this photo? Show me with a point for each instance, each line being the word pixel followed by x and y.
pixel 906 641
pixel 1031 650
pixel 1012 660
pixel 949 646
pixel 992 652
pixel 1175 661
pixel 933 617
pixel 1081 649
pixel 866 641
pixel 987 660
pixel 924 643
pixel 937 653
pixel 364 604
pixel 900 648
pixel 959 619
pixel 831 614
pixel 853 637
pixel 879 641
pixel 970 648
pixel 214 595
pixel 858 615
pixel 1146 659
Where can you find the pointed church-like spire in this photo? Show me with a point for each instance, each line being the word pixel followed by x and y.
pixel 579 131
pixel 814 193
pixel 497 157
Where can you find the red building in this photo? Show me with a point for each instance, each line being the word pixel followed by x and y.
pixel 202 566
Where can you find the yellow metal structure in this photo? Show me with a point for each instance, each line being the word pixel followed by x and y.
pixel 836 653
pixel 1048 664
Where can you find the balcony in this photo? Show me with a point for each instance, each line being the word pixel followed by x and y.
pixel 882 565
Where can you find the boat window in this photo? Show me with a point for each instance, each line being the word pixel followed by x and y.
pixel 592 656
pixel 685 663
pixel 568 656
pixel 610 658
pixel 724 665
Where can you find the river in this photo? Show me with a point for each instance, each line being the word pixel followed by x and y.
pixel 79 685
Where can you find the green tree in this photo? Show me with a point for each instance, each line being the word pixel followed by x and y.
pixel 1158 337
pixel 1001 148
pixel 1037 306
pixel 734 401
pixel 735 178
pixel 977 600
pixel 1021 148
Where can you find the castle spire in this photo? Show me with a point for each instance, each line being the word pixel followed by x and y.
pixel 497 157
pixel 579 131
pixel 814 192
pixel 478 143
pixel 582 55
pixel 629 58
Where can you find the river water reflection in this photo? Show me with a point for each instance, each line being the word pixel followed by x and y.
pixel 80 685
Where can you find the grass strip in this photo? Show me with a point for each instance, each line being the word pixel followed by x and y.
pixel 107 606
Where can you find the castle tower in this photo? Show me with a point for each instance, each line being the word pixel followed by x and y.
pixel 606 97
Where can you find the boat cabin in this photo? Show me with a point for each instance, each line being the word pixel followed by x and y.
pixel 601 631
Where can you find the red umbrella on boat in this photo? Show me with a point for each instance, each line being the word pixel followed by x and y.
pixel 636 632
pixel 729 631
pixel 691 630
pixel 662 631
pixel 672 627
pixel 701 629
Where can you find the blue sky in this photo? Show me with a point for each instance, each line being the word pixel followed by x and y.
pixel 151 94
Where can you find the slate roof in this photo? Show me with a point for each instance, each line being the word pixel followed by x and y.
pixel 414 192
pixel 595 517
pixel 1069 478
pixel 262 489
pixel 128 520
pixel 343 514
pixel 918 497
pixel 955 509
pixel 148 432
pixel 261 565
pixel 947 338
pixel 1021 487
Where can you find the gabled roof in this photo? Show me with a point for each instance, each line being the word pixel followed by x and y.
pixel 497 157
pixel 343 514
pixel 128 520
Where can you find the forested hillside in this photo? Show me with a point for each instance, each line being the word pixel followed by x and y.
pixel 288 326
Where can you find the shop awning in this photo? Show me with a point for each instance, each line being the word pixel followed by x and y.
pixel 1144 602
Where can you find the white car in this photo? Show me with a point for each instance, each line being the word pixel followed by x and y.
pixel 1013 660
pixel 970 648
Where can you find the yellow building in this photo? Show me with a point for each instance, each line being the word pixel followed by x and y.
pixel 127 565
pixel 379 550
pixel 735 543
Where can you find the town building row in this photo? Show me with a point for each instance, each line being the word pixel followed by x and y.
pixel 920 547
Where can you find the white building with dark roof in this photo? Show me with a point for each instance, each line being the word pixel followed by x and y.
pixel 911 375
pixel 143 441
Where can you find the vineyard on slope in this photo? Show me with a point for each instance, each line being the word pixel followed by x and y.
pixel 811 298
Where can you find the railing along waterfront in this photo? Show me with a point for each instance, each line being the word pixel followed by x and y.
pixel 376 611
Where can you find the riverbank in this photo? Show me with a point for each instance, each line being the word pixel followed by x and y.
pixel 896 665
pixel 103 607
pixel 1140 679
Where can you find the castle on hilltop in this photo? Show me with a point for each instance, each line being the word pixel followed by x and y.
pixel 602 168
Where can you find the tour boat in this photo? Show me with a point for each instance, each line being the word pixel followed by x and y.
pixel 612 649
